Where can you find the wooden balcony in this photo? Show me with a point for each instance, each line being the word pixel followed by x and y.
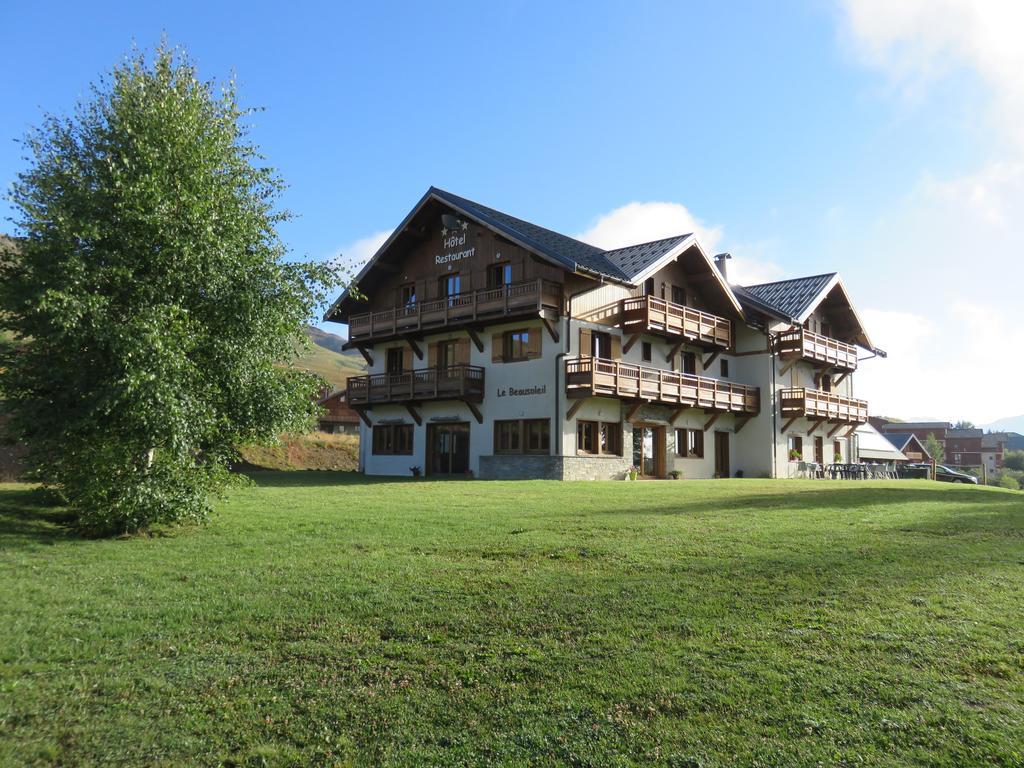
pixel 594 377
pixel 822 351
pixel 647 314
pixel 490 304
pixel 823 406
pixel 454 382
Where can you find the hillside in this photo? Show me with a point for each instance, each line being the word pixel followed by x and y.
pixel 325 358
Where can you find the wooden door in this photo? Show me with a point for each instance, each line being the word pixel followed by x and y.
pixel 448 449
pixel 722 454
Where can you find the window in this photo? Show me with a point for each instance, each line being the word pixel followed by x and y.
pixel 446 355
pixel 517 346
pixel 392 440
pixel 449 285
pixel 649 286
pixel 645 351
pixel 499 275
pixel 407 295
pixel 507 437
pixel 690 363
pixel 690 443
pixel 796 444
pixel 601 345
pixel 522 436
pixel 678 295
pixel 825 383
pixel 724 365
pixel 604 438
pixel 395 362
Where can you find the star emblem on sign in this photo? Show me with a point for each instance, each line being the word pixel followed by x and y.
pixel 465 226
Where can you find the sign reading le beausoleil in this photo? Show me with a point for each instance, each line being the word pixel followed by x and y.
pixel 454 233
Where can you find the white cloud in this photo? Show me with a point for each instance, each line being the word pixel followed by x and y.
pixel 353 256
pixel 643 222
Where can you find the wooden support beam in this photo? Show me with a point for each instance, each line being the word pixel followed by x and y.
pixel 815 426
pixel 740 424
pixel 787 366
pixel 632 411
pixel 712 420
pixel 416 349
pixel 552 329
pixel 839 381
pixel 573 408
pixel 366 355
pixel 707 363
pixel 363 416
pixel 674 351
pixel 850 431
pixel 630 343
pixel 835 429
pixel 475 411
pixel 415 415
pixel 477 341
pixel 676 414
pixel 788 424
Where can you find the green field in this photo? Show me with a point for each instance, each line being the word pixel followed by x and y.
pixel 321 619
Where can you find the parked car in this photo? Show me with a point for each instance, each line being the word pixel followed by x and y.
pixel 942 473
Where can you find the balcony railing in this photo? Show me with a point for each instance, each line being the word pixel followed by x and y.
pixel 488 303
pixel 652 315
pixel 813 347
pixel 453 382
pixel 594 376
pixel 815 404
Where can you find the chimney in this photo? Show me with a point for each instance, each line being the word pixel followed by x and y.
pixel 720 260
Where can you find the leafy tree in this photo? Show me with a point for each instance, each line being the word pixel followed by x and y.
pixel 964 425
pixel 1014 460
pixel 157 297
pixel 934 448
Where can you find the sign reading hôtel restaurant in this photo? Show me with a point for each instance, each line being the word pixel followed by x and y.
pixel 454 234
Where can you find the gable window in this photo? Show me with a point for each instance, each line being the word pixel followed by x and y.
pixel 645 351
pixel 407 295
pixel 599 438
pixel 724 366
pixel 678 295
pixel 392 440
pixel 499 275
pixel 690 443
pixel 450 285
pixel 516 345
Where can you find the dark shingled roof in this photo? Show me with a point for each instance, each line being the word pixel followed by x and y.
pixel 791 297
pixel 634 259
pixel 561 248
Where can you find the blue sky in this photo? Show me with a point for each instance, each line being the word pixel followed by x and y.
pixel 803 137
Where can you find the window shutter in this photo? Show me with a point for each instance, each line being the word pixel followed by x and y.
pixel 616 347
pixel 586 345
pixel 497 347
pixel 406 358
pixel 533 343
pixel 462 351
pixel 432 355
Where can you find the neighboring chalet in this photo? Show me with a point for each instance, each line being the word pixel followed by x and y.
pixel 502 349
pixel 338 418
pixel 965 448
pixel 909 445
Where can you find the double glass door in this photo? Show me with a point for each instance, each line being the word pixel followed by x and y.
pixel 649 450
pixel 448 449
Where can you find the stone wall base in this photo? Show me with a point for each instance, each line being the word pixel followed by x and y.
pixel 516 467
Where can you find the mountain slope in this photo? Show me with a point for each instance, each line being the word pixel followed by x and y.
pixel 324 360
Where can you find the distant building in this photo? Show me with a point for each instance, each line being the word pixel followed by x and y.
pixel 963 447
pixel 910 445
pixel 874 447
pixel 992 448
pixel 339 418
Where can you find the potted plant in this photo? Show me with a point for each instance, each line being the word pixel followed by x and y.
pixel 416 471
pixel 675 474
pixel 633 471
pixel 838 458
pixel 794 455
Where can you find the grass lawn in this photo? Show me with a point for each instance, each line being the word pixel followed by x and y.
pixel 326 620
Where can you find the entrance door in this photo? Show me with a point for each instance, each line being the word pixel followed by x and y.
pixel 448 449
pixel 819 450
pixel 649 450
pixel 721 454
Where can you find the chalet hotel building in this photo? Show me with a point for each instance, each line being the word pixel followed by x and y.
pixel 502 349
